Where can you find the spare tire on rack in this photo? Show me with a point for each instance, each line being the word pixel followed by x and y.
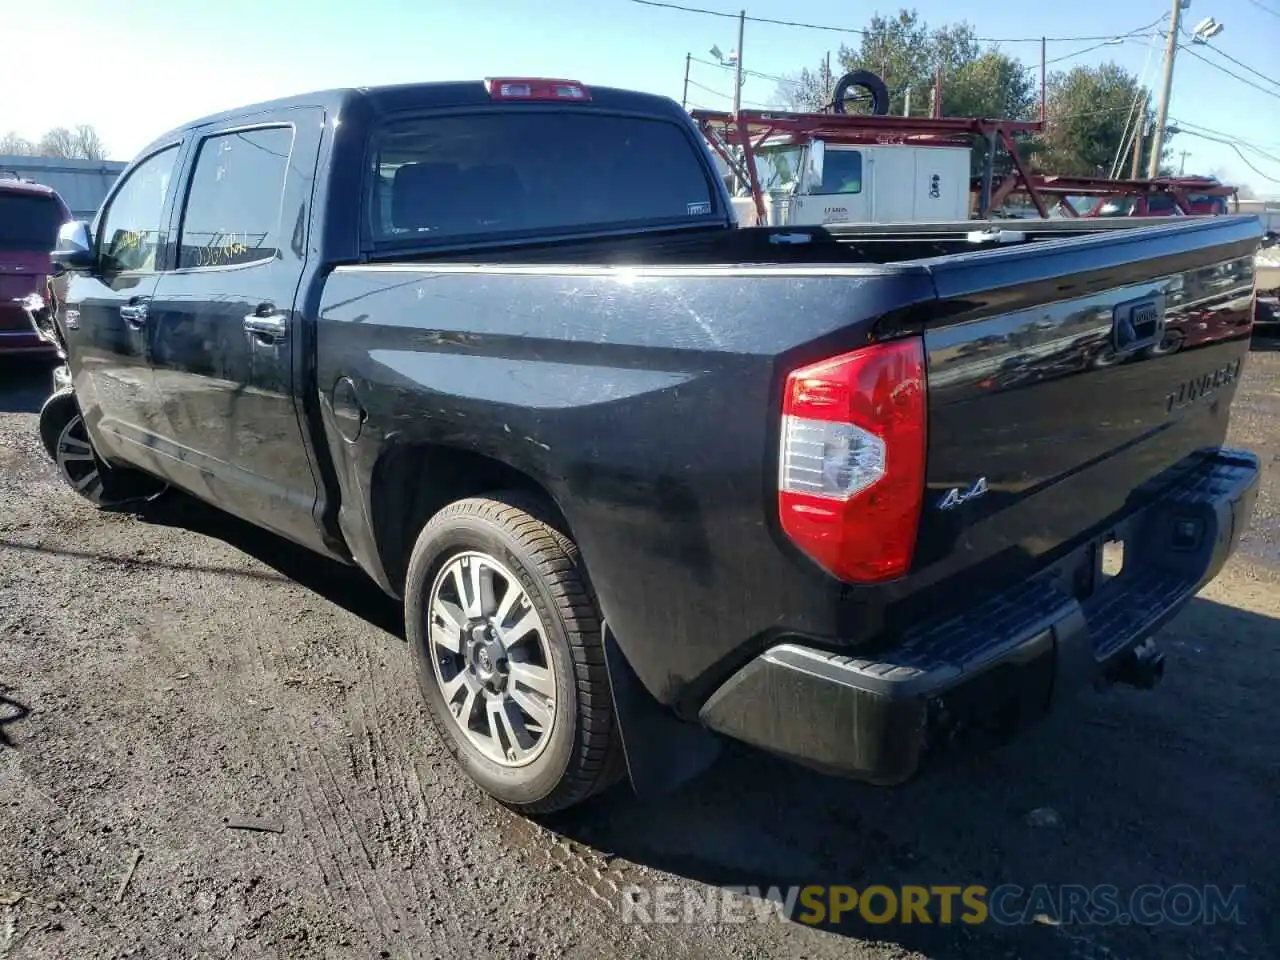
pixel 869 82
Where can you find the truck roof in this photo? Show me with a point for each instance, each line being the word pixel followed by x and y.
pixel 406 96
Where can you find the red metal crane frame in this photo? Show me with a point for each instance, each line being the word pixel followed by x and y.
pixel 750 129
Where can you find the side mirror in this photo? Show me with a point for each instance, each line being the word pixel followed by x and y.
pixel 75 247
pixel 817 151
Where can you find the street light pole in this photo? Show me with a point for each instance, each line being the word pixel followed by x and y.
pixel 1139 136
pixel 737 71
pixel 1162 112
pixel 684 97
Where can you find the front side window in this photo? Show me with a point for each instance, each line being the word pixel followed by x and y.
pixel 841 171
pixel 131 229
pixel 232 215
pixel 530 171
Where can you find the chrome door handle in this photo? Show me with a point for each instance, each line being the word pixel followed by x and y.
pixel 134 314
pixel 271 327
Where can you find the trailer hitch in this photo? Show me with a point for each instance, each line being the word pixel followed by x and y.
pixel 1142 667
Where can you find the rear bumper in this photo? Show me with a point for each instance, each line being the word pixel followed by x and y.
pixel 1001 664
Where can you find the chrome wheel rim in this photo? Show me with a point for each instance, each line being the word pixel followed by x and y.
pixel 76 462
pixel 492 659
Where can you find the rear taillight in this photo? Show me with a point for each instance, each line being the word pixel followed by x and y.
pixel 852 457
pixel 535 88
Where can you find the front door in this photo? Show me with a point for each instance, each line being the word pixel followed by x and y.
pixel 108 311
pixel 225 329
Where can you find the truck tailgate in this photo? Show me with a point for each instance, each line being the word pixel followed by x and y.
pixel 1067 380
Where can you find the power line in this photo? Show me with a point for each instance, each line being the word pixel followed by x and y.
pixel 1196 128
pixel 1079 53
pixel 1217 66
pixel 662 4
pixel 1264 7
pixel 1243 159
pixel 1243 66
pixel 695 83
pixel 749 73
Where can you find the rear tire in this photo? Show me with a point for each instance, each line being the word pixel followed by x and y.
pixel 509 653
pixel 66 440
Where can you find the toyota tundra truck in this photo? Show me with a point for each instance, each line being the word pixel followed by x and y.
pixel 646 481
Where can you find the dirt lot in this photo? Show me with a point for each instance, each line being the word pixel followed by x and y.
pixel 166 677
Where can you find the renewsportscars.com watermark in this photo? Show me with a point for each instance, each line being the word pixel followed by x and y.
pixel 1008 905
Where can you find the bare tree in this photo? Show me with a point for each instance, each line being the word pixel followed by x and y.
pixel 89 145
pixel 13 145
pixel 82 143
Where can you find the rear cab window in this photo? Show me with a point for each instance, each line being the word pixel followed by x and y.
pixel 528 173
pixel 28 221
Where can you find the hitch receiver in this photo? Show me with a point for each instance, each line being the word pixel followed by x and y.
pixel 1141 667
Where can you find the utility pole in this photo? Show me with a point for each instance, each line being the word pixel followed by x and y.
pixel 828 88
pixel 1162 112
pixel 1139 137
pixel 737 70
pixel 1182 167
pixel 684 97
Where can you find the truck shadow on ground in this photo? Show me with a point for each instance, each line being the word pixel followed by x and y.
pixel 345 586
pixel 26 384
pixel 1124 773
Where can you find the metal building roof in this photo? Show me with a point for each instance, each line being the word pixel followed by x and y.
pixel 82 184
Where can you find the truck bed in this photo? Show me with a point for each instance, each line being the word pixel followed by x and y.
pixel 642 390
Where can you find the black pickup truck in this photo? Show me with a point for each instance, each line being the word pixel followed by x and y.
pixel 644 479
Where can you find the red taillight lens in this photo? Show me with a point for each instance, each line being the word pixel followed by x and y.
pixel 535 88
pixel 852 456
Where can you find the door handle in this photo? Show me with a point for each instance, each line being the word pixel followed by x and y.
pixel 134 314
pixel 269 327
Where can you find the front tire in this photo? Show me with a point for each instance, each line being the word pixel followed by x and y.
pixel 66 440
pixel 508 647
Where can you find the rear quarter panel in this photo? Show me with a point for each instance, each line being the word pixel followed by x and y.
pixel 644 401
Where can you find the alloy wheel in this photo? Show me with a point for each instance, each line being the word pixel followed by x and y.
pixel 492 659
pixel 76 461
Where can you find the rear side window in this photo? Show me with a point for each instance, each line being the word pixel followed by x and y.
pixel 1160 203
pixel 532 172
pixel 28 221
pixel 233 207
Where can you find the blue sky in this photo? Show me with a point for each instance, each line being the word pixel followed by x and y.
pixel 138 73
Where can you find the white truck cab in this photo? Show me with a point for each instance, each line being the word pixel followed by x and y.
pixel 816 183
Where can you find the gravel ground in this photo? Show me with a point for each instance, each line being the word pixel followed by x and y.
pixel 170 677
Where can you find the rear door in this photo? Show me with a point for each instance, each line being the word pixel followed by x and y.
pixel 107 311
pixel 225 329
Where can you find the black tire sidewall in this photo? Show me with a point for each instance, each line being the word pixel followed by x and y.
pixel 119 486
pixel 442 540
pixel 57 411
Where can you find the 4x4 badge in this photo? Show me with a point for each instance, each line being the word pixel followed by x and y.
pixel 956 496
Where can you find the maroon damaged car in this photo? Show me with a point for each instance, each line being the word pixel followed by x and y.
pixel 30 215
